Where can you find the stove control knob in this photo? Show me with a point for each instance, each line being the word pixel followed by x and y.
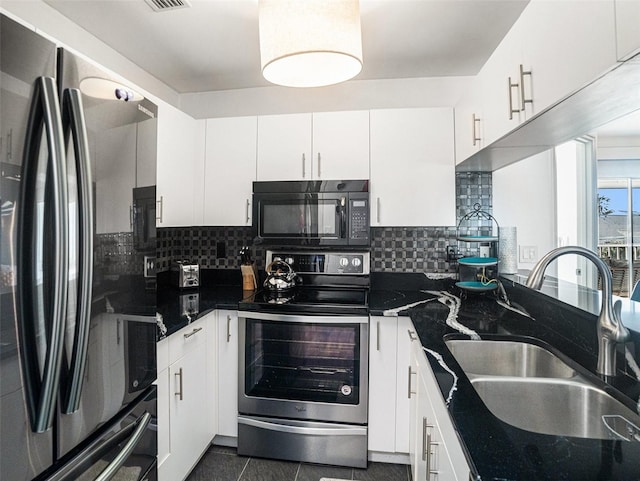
pixel 289 260
pixel 277 258
pixel 356 262
pixel 344 262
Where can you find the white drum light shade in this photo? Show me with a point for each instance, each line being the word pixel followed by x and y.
pixel 310 43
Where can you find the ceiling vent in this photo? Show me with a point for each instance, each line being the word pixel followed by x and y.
pixel 166 5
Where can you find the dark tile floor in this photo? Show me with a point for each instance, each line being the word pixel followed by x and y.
pixel 223 464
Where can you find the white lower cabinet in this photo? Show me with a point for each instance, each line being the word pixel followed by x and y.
pixel 435 452
pixel 382 374
pixel 388 407
pixel 184 427
pixel 227 375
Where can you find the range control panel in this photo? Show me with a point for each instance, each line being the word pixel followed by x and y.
pixel 351 263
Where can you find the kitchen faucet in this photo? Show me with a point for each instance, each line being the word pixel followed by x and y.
pixel 611 331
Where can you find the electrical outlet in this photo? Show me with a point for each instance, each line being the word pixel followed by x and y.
pixel 149 266
pixel 452 254
pixel 221 250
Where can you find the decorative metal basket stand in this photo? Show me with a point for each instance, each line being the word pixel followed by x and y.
pixel 478 273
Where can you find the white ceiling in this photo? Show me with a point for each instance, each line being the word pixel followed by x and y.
pixel 214 44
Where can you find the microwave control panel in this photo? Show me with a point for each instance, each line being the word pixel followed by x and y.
pixel 358 219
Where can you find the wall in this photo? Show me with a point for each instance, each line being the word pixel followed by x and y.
pixel 524 196
pixel 393 249
pixel 353 95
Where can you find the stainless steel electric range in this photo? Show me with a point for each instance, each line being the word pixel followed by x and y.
pixel 303 362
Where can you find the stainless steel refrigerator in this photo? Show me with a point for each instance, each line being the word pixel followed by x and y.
pixel 77 327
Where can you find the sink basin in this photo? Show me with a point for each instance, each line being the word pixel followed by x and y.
pixel 507 358
pixel 531 388
pixel 556 407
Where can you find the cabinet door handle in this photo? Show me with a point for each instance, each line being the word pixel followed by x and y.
pixel 378 209
pixel 427 443
pixel 195 331
pixel 412 335
pixel 475 121
pixel 161 203
pixel 247 210
pixel 179 376
pixel 409 391
pixel 511 109
pixel 304 168
pixel 319 175
pixel 228 328
pixel 131 216
pixel 378 336
pixel 524 101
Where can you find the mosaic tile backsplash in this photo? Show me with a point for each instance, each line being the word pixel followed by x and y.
pixel 393 249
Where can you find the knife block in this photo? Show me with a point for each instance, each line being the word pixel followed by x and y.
pixel 249 278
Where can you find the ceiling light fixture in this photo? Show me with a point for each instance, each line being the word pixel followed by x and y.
pixel 310 43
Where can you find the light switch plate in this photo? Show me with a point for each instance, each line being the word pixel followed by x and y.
pixel 528 254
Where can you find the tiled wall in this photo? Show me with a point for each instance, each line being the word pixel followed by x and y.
pixel 211 247
pixel 115 255
pixel 393 249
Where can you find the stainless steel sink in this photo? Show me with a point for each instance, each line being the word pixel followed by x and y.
pixel 531 388
pixel 507 358
pixel 557 407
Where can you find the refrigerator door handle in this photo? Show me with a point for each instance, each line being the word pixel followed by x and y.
pixel 41 384
pixel 113 467
pixel 74 124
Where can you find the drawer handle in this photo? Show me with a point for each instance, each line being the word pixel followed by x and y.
pixel 179 393
pixel 195 331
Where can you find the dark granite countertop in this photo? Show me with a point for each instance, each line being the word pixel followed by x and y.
pixel 495 449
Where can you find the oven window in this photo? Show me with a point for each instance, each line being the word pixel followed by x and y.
pixel 304 218
pixel 303 361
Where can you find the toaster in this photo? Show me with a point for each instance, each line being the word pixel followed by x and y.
pixel 185 274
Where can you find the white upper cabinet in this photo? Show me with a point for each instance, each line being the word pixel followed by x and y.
pixel 500 90
pixel 566 44
pixel 469 123
pixel 340 145
pixel 627 28
pixel 180 168
pixel 284 147
pixel 412 167
pixel 329 145
pixel 554 48
pixel 230 169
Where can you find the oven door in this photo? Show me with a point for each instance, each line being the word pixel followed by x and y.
pixel 303 367
pixel 301 218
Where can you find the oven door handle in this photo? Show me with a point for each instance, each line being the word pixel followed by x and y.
pixel 284 428
pixel 315 318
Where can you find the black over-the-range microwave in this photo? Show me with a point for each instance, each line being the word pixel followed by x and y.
pixel 311 213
